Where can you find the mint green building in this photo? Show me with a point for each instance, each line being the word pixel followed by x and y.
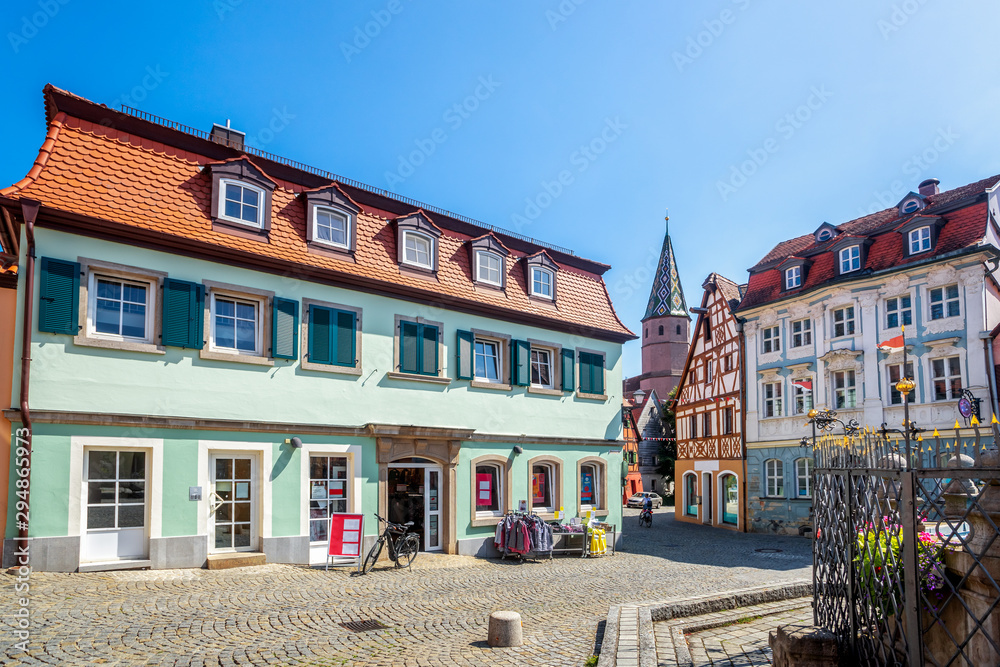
pixel 227 348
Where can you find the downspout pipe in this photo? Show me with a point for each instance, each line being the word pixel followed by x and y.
pixel 29 211
pixel 742 366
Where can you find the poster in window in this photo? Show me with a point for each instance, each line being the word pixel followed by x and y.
pixel 586 487
pixel 484 489
pixel 538 488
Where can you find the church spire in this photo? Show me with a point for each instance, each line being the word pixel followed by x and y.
pixel 666 297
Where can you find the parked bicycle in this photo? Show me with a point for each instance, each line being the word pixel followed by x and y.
pixel 646 517
pixel 403 546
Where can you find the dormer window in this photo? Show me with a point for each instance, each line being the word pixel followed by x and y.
pixel 824 232
pixel 488 267
pixel 331 218
pixel 920 240
pixel 824 235
pixel 541 282
pixel 417 249
pixel 911 203
pixel 241 203
pixel 912 206
pixel 241 199
pixel 541 274
pixel 417 242
pixel 850 259
pixel 793 277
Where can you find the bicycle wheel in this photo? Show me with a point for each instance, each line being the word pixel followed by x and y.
pixel 372 557
pixel 407 550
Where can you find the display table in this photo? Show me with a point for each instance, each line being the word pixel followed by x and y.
pixel 579 543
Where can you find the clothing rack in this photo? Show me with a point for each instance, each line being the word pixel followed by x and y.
pixel 506 532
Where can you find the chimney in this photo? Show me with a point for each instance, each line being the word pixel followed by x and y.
pixel 227 136
pixel 929 187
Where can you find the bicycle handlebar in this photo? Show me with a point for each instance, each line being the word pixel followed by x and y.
pixel 395 526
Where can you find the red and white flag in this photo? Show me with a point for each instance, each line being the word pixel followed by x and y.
pixel 805 384
pixel 892 345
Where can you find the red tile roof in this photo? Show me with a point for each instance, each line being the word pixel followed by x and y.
pixel 101 172
pixel 963 209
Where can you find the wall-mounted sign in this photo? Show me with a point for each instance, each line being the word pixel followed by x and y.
pixel 194 493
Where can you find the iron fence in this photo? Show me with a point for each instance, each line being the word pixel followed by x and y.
pixel 906 556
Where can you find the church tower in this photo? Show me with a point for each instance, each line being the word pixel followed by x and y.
pixel 664 326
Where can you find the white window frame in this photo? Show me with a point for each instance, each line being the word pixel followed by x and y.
pixel 849 389
pixel 771 405
pixel 348 482
pixel 947 378
pixel 793 277
pixel 407 234
pixel 919 240
pixel 261 200
pixel 850 259
pixel 151 293
pixel 803 471
pixel 774 478
pixel 891 384
pixel 802 398
pixel 500 486
pixel 848 322
pixel 708 371
pixel 770 339
pixel 945 300
pixel 259 307
pixel 348 219
pixel 802 337
pixel 550 469
pixel 531 375
pixel 595 492
pixel 538 270
pixel 498 350
pixel 898 311
pixel 490 256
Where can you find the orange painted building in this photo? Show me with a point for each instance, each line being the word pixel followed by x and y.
pixel 631 478
pixel 710 454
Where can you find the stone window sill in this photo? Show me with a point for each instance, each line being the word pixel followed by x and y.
pixel 433 379
pixel 498 386
pixel 544 391
pixel 330 368
pixel 592 397
pixel 237 358
pixel 122 345
pixel 486 521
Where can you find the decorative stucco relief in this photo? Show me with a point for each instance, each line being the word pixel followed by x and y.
pixel 941 275
pixel 944 324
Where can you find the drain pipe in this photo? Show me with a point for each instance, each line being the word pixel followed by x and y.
pixel 29 210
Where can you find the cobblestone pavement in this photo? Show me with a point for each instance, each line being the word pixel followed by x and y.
pixel 734 638
pixel 436 615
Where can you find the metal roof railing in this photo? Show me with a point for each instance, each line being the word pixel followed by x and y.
pixel 187 129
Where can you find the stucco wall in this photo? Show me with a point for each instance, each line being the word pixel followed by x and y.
pixel 785 514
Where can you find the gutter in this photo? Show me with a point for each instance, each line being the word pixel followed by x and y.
pixel 29 210
pixel 741 346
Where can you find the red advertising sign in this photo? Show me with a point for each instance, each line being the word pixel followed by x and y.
pixel 484 489
pixel 345 535
pixel 538 488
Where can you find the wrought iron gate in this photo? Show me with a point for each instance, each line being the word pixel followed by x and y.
pixel 906 555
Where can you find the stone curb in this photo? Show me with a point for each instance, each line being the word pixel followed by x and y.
pixel 651 612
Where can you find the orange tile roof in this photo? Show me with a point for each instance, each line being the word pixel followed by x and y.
pixel 93 170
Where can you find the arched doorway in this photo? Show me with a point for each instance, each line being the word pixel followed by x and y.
pixel 730 489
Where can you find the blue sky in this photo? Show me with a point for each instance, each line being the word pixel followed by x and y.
pixel 753 122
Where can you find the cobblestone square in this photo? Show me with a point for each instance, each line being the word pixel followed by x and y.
pixel 435 615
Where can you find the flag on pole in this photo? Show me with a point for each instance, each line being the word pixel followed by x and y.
pixel 804 384
pixel 892 345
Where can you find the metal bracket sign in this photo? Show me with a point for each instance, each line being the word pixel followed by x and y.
pixel 346 538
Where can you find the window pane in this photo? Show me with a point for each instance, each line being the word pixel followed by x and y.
pixel 131 516
pixel 101 466
pixel 246 311
pixel 952 291
pixel 224 308
pixel 107 289
pixel 223 536
pixel 100 517
pixel 225 332
pixel 132 465
pixel 134 320
pixel 242 469
pixel 232 209
pixel 953 310
pixel 100 493
pixel 249 197
pixel 107 317
pixel 954 367
pixel 246 336
pixel 223 469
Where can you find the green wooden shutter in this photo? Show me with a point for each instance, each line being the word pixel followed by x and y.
pixel 568 381
pixel 586 373
pixel 597 373
pixel 464 354
pixel 429 350
pixel 284 328
pixel 59 297
pixel 409 350
pixel 320 334
pixel 346 338
pixel 520 362
pixel 183 314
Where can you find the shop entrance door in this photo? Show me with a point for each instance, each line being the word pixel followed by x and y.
pixel 414 494
pixel 233 519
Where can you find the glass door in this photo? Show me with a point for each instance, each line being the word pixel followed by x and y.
pixel 731 498
pixel 432 509
pixel 690 495
pixel 116 506
pixel 327 496
pixel 706 497
pixel 232 504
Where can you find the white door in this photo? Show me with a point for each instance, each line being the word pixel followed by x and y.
pixel 327 495
pixel 233 503
pixel 116 485
pixel 432 509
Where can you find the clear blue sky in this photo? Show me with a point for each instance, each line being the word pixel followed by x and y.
pixel 836 106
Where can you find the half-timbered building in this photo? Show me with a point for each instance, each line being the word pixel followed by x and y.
pixel 709 469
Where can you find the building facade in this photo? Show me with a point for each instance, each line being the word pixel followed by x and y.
pixel 227 348
pixel 631 478
pixel 709 469
pixel 818 308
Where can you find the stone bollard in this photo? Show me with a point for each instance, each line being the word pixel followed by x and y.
pixel 801 645
pixel 505 629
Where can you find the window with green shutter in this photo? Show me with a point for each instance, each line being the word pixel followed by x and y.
pixel 183 314
pixel 284 328
pixel 591 373
pixel 568 366
pixel 333 335
pixel 418 348
pixel 59 297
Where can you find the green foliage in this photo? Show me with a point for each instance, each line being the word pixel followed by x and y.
pixel 591 661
